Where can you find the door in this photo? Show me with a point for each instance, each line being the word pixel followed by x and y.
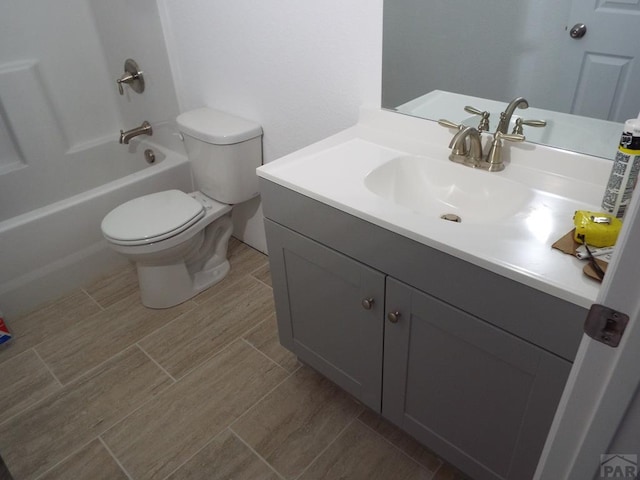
pixel 330 311
pixel 602 68
pixel 604 380
pixel 478 396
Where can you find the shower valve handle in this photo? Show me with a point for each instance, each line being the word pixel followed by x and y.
pixel 126 78
pixel 132 76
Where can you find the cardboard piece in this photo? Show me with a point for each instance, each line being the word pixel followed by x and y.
pixel 568 245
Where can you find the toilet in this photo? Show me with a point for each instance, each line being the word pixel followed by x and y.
pixel 178 241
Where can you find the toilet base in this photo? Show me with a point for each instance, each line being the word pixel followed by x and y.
pixel 170 277
pixel 164 286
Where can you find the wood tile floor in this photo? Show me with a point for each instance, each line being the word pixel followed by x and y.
pixel 95 386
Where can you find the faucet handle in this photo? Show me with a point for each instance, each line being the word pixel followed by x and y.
pixel 493 162
pixel 512 137
pixel 531 123
pixel 449 124
pixel 484 121
pixel 132 76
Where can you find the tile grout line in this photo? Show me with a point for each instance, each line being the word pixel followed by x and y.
pixel 263 353
pixel 169 322
pixel 208 442
pixel 115 459
pixel 253 272
pixel 48 305
pixel 239 337
pixel 176 382
pixel 231 285
pixel 137 344
pixel 139 406
pixel 150 399
pixel 322 452
pixel 228 427
pixel 271 467
pixel 289 375
pixel 197 305
pixel 47 367
pixel 222 349
pixel 263 283
pixel 65 459
pixel 33 405
pixel 93 299
pixel 396 447
pixel 120 420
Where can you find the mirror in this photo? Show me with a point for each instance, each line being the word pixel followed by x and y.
pixel 493 51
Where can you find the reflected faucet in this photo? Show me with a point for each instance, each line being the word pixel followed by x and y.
pixel 144 129
pixel 505 117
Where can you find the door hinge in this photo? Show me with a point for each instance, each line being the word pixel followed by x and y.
pixel 605 324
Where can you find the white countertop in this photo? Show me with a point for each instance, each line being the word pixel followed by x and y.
pixel 333 170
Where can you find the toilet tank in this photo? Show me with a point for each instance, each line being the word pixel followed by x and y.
pixel 224 151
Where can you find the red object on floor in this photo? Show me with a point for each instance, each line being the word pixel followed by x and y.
pixel 4 331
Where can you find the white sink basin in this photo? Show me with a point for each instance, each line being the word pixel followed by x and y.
pixel 392 171
pixel 436 188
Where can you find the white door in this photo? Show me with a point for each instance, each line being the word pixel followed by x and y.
pixel 603 380
pixel 602 68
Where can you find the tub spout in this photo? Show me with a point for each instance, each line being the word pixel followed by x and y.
pixel 144 129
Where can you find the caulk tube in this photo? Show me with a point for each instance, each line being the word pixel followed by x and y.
pixel 624 173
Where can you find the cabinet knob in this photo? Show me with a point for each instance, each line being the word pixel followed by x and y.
pixel 367 303
pixel 393 317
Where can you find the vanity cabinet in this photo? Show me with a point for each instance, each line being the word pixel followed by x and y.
pixel 321 318
pixel 482 398
pixel 451 353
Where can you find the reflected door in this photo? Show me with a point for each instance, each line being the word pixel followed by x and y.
pixel 601 68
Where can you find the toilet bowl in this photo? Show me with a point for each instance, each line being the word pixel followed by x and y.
pixel 178 241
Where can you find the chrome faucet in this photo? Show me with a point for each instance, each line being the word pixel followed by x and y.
pixel 458 144
pixel 505 117
pixel 473 155
pixel 144 129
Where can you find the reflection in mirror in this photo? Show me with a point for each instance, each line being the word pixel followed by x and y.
pixel 502 50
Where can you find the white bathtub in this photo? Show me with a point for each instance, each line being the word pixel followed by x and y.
pixel 56 248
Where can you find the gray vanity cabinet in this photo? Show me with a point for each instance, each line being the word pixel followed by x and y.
pixel 321 317
pixel 470 363
pixel 478 396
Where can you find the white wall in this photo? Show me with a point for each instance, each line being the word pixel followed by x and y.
pixel 301 69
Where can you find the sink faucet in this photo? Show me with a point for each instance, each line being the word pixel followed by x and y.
pixel 505 117
pixel 144 129
pixel 473 156
pixel 458 144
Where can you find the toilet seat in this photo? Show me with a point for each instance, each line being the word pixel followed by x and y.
pixel 152 218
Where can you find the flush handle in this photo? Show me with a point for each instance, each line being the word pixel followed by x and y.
pixel 578 30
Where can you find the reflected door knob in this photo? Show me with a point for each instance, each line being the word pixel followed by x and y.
pixel 578 30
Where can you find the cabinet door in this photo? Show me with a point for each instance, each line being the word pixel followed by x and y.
pixel 478 396
pixel 318 294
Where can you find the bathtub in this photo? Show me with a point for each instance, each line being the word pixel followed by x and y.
pixel 53 249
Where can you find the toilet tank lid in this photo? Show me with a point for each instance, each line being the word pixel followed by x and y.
pixel 219 128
